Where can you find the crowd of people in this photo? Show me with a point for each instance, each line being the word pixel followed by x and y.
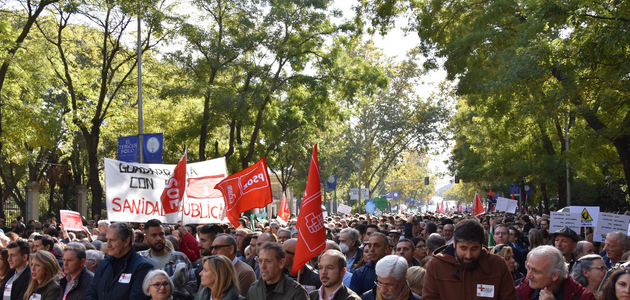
pixel 387 257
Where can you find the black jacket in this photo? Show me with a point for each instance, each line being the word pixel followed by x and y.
pixel 109 286
pixel 19 285
pixel 77 291
pixel 49 291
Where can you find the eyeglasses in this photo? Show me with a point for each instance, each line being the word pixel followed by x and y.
pixel 601 268
pixel 500 233
pixel 380 285
pixel 161 285
pixel 217 247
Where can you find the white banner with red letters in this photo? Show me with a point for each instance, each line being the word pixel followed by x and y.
pixel 132 191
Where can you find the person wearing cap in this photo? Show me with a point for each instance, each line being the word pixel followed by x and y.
pixel 394 234
pixel 565 240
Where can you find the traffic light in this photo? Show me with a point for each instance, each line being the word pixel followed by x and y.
pixel 426 180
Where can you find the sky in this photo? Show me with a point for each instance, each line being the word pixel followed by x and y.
pixel 396 43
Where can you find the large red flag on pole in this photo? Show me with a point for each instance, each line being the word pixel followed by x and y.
pixel 310 224
pixel 245 190
pixel 478 206
pixel 284 210
pixel 174 191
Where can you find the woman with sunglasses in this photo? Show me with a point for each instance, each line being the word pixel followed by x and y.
pixel 158 285
pixel 589 271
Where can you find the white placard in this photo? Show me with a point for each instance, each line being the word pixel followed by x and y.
pixel 132 191
pixel 354 194
pixel 365 194
pixel 560 220
pixel 588 213
pixel 607 223
pixel 324 214
pixel 507 205
pixel 344 209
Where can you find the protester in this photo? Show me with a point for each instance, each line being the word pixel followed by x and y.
pixel 434 242
pixel 308 277
pixel 391 280
pixel 421 251
pixel 507 254
pixel 584 248
pixel 350 243
pixel 470 265
pixel 44 283
pixel 331 273
pixel 548 277
pixel 169 261
pixel 415 279
pixel 565 240
pixel 225 244
pixel 78 278
pixel 15 283
pixel 617 287
pixel 406 249
pixel 364 277
pixel 218 279
pixel 617 242
pixel 589 271
pixel 273 285
pixel 158 285
pixel 448 233
pixel 4 263
pixel 120 276
pixel 501 236
pixel 93 259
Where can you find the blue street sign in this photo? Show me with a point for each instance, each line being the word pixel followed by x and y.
pixel 528 189
pixel 388 195
pixel 128 148
pixel 395 195
pixel 331 184
pixel 152 150
pixel 514 188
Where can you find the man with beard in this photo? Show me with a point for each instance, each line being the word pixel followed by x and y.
pixel 391 282
pixel 174 263
pixel 331 273
pixel 465 264
pixel 273 285
pixel 565 240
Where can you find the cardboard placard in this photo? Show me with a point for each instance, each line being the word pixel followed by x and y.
pixel 71 220
pixel 560 220
pixel 589 214
pixel 607 223
pixel 507 205
pixel 344 209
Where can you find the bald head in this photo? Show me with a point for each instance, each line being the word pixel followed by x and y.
pixel 289 247
pixel 263 238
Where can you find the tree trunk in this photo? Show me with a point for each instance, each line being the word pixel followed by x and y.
pixel 92 141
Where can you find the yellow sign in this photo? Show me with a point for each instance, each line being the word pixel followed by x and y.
pixel 586 216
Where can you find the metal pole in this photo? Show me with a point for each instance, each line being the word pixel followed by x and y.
pixel 359 187
pixel 566 141
pixel 140 121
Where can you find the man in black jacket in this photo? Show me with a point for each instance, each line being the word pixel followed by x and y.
pixel 15 283
pixel 76 273
pixel 331 271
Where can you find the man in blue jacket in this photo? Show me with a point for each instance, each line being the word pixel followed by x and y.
pixel 120 275
pixel 363 278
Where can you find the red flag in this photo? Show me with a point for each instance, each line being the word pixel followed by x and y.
pixel 478 207
pixel 310 224
pixel 512 194
pixel 245 190
pixel 174 190
pixel 284 210
pixel 442 210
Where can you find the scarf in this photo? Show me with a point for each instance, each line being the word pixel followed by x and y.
pixel 403 295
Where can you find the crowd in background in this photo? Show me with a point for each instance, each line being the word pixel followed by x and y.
pixel 386 257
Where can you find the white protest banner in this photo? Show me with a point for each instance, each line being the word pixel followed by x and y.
pixel 344 209
pixel 607 223
pixel 588 213
pixel 132 191
pixel 507 205
pixel 71 220
pixel 560 220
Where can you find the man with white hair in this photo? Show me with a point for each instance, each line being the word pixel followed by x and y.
pixel 350 246
pixel 93 259
pixel 465 270
pixel 548 277
pixel 102 226
pixel 391 280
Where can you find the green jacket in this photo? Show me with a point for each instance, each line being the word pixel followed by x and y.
pixel 49 291
pixel 287 289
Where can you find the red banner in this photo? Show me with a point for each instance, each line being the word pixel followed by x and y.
pixel 71 220
pixel 174 191
pixel 310 224
pixel 245 190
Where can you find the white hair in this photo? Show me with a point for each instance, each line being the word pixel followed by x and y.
pixel 106 222
pixel 147 281
pixel 392 265
pixel 555 257
pixel 95 255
